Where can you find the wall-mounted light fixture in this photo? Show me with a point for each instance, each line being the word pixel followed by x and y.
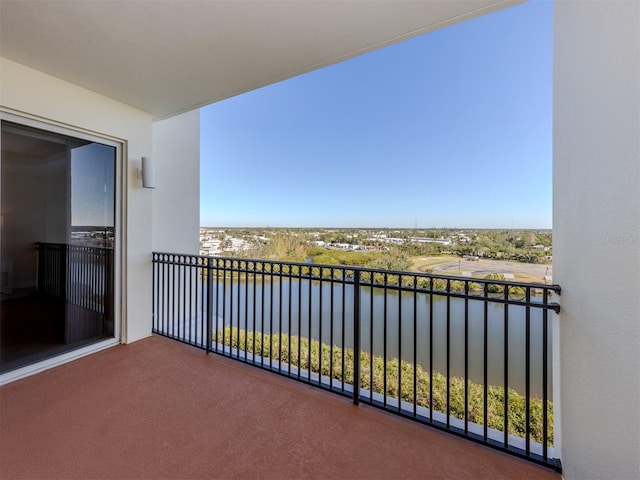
pixel 148 173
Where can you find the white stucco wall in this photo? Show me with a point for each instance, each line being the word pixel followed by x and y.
pixel 26 91
pixel 596 231
pixel 176 199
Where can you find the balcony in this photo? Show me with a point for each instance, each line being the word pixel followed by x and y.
pixel 468 356
pixel 160 409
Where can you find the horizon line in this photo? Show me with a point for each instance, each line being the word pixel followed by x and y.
pixel 375 228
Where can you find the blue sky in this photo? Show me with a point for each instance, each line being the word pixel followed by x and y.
pixel 450 129
pixel 92 185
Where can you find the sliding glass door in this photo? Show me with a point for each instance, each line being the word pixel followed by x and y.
pixel 58 243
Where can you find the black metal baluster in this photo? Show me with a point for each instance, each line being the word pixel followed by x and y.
pixel 190 297
pixel 448 352
pixel 527 370
pixel 219 342
pixel 344 319
pixel 170 295
pixel 485 360
pixel 262 264
pixel 165 301
pixel 309 331
pixel 237 270
pixel 384 342
pixel 280 319
pixel 431 350
pixel 506 367
pixel 184 299
pixel 356 337
pixel 224 312
pixel 176 297
pixel 209 305
pixel 177 302
pixel 154 281
pixel 246 310
pixel 545 378
pixel 173 297
pixel 415 345
pixel 399 343
pixel 255 286
pixel 202 275
pixel 466 357
pixel 299 320
pixel 332 272
pixel 320 330
pixel 231 314
pixel 371 340
pixel 270 315
pixel 290 280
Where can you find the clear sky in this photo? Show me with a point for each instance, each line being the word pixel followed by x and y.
pixel 92 185
pixel 450 129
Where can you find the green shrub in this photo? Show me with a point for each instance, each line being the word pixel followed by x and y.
pixel 492 287
pixel 276 347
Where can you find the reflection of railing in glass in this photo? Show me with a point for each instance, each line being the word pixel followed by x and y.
pixel 437 349
pixel 82 278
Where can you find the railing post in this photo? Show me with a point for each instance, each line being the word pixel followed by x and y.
pixel 209 304
pixel 154 294
pixel 356 337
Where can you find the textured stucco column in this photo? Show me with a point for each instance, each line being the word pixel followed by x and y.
pixel 596 228
pixel 176 199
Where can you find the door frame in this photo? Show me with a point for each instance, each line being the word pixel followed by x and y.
pixel 120 223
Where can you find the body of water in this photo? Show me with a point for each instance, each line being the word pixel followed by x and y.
pixel 413 325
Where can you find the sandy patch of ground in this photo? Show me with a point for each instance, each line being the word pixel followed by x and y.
pixel 519 272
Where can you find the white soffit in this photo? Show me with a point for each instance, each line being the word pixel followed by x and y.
pixel 167 57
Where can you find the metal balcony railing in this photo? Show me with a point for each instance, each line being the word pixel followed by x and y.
pixel 469 356
pixel 83 277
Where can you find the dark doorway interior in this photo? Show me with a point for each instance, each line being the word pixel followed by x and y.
pixel 57 244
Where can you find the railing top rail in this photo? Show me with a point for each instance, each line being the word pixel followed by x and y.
pixel 206 262
pixel 75 245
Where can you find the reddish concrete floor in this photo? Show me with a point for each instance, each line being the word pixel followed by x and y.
pixel 159 409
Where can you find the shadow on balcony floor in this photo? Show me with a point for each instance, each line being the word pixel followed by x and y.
pixel 160 409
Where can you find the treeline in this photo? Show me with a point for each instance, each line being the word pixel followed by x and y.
pixel 527 246
pixel 300 246
pixel 286 247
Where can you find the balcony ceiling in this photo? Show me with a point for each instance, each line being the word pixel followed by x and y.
pixel 169 57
